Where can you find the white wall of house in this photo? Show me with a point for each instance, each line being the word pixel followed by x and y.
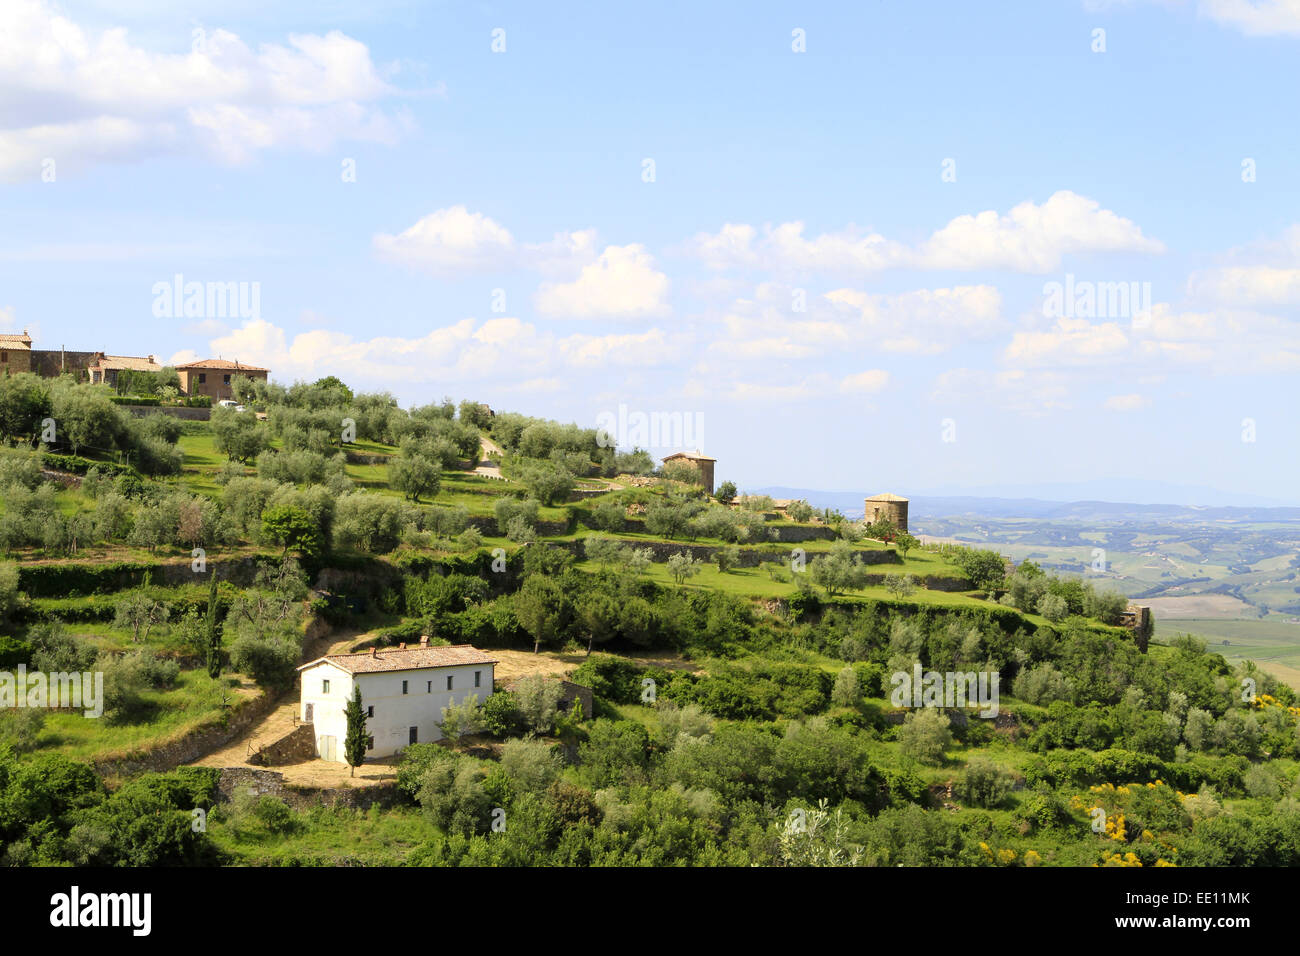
pixel 395 711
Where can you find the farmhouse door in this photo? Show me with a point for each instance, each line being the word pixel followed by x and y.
pixel 413 734
pixel 327 749
pixel 310 709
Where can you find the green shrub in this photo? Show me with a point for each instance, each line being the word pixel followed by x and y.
pixel 502 716
pixel 985 784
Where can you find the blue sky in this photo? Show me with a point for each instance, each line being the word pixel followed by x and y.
pixel 838 270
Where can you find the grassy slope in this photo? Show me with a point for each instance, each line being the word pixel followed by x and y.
pixel 196 699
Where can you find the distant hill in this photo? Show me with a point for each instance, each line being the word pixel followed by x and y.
pixel 850 503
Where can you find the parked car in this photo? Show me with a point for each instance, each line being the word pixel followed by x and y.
pixel 227 403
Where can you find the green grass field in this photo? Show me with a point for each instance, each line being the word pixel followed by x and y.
pixel 195 700
pixel 1271 642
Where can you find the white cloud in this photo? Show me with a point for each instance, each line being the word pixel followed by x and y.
pixel 1250 17
pixel 1255 17
pixel 1030 238
pixel 1033 238
pixel 925 320
pixel 621 284
pixel 562 254
pixel 1034 393
pixel 1248 285
pixel 449 240
pixel 1127 403
pixel 1069 342
pixel 81 98
pixel 1220 340
pixel 499 351
pixel 817 386
pixel 785 249
pixel 730 246
pixel 648 348
pixel 454 240
pixel 773 347
pixel 1262 274
pixel 872 380
pixel 922 321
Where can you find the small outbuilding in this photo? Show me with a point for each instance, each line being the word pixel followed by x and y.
pixel 702 462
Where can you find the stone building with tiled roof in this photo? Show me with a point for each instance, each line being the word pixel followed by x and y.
pixel 212 377
pixel 15 353
pixel 702 463
pixel 403 693
pixel 106 369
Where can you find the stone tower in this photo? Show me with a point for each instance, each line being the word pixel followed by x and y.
pixel 702 462
pixel 888 506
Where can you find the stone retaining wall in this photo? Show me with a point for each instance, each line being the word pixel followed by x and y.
pixel 488 526
pixel 270 783
pixel 297 746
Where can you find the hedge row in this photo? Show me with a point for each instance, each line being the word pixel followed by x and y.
pixel 79 466
pixel 72 580
pixel 1082 768
pixel 135 400
pixel 102 610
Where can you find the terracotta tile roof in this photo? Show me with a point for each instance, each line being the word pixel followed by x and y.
pixel 223 363
pixel 692 456
pixel 408 659
pixel 886 497
pixel 134 363
pixel 11 339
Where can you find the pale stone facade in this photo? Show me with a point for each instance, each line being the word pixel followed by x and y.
pixel 892 507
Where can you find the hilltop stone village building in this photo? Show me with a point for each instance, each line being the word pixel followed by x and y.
pixel 15 353
pixel 210 377
pixel 106 369
pixel 17 356
pixel 891 507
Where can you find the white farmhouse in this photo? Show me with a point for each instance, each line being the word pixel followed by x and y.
pixel 403 692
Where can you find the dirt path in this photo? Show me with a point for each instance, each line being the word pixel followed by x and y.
pixel 283 719
pixel 516 664
pixel 486 466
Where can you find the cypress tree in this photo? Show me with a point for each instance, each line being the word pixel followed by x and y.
pixel 354 744
pixel 213 631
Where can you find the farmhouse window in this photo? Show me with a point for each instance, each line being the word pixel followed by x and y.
pixel 225 379
pixel 403 687
pixel 448 682
pixel 324 687
pixel 370 741
pixel 478 678
pixel 4 356
pixel 203 378
pixel 370 711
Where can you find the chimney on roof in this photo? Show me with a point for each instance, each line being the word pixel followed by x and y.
pixel 374 652
pixel 402 646
pixel 424 640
